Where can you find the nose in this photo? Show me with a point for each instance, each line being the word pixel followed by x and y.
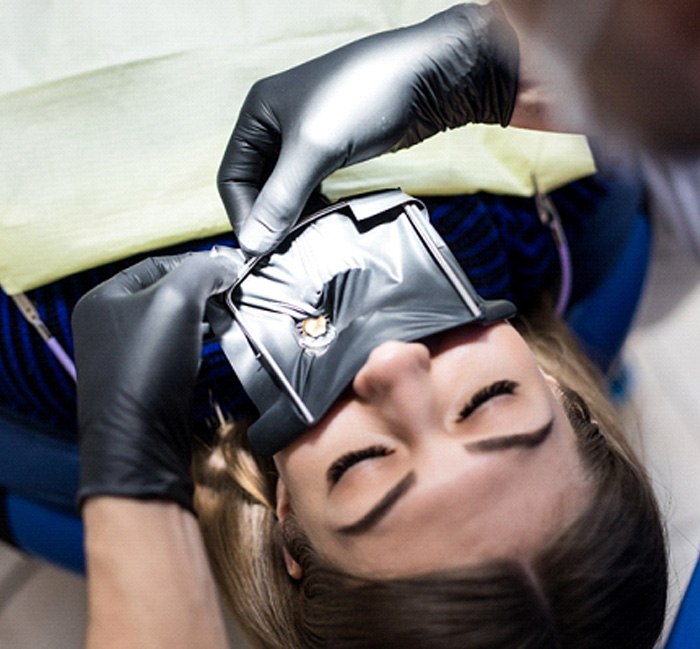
pixel 393 368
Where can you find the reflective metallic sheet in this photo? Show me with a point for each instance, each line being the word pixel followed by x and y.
pixel 303 320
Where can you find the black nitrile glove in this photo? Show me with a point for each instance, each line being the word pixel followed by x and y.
pixel 381 93
pixel 137 343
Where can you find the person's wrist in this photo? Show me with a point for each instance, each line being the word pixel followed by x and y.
pixel 137 451
pixel 120 483
pixel 146 469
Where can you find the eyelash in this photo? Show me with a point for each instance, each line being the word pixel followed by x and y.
pixel 485 394
pixel 344 462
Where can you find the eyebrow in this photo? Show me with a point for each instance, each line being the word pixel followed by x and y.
pixel 387 502
pixel 381 509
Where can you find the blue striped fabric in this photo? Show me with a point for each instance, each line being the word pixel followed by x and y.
pixel 499 241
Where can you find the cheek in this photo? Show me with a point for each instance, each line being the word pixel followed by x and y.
pixel 303 465
pixel 498 348
pixel 296 468
pixel 512 348
pixel 297 493
pixel 300 458
pixel 293 469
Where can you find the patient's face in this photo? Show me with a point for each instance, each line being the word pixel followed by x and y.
pixel 441 454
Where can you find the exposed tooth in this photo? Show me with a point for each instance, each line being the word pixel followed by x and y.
pixel 315 327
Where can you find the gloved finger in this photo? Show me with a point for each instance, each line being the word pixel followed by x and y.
pixel 296 175
pixel 137 277
pixel 202 275
pixel 150 271
pixel 238 199
pixel 245 167
pixel 248 161
pixel 239 179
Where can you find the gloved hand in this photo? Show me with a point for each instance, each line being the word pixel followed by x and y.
pixel 137 343
pixel 384 92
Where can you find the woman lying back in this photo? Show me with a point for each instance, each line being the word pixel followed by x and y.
pixel 468 489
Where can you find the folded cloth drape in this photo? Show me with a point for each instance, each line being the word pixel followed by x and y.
pixel 114 123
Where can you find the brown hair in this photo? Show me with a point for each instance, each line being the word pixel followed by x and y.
pixel 600 583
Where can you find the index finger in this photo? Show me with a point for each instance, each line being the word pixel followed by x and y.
pixel 250 156
pixel 139 276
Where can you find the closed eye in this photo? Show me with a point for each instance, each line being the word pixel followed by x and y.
pixel 485 394
pixel 345 462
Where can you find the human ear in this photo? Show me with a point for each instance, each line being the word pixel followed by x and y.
pixel 282 510
pixel 283 506
pixel 294 570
